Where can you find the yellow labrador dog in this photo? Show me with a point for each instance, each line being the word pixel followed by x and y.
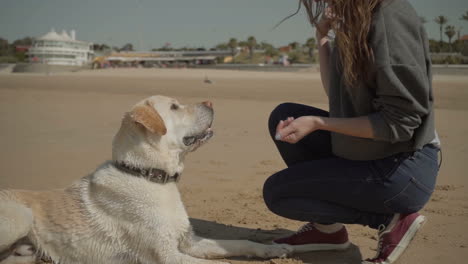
pixel 129 210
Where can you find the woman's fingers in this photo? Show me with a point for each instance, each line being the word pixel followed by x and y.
pixel 291 138
pixel 286 132
pixel 281 130
pixel 278 128
pixel 280 125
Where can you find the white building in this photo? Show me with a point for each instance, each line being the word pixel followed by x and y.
pixel 60 49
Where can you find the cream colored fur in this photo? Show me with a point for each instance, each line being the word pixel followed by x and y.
pixel 110 217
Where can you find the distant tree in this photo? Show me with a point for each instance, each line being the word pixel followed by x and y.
pixel 464 16
pixel 434 46
pixel 450 32
pixel 296 57
pixel 265 45
pixel 294 45
pixel 4 47
pixel 310 45
pixel 3 43
pixel 232 44
pixel 269 49
pixel 441 21
pixel 127 47
pixel 243 44
pixel 18 54
pixel 222 46
pixel 423 19
pixel 101 47
pixel 26 41
pixel 271 52
pixel 252 44
pixel 457 45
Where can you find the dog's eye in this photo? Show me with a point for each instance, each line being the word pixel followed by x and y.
pixel 174 107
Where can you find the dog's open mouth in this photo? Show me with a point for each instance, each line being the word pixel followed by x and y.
pixel 199 138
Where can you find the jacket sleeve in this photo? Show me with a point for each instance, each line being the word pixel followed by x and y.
pixel 402 96
pixel 402 86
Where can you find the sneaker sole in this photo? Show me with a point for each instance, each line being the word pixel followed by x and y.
pixel 318 247
pixel 404 242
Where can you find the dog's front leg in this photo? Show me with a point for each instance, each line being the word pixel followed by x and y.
pixel 181 258
pixel 19 260
pixel 207 248
pixel 166 251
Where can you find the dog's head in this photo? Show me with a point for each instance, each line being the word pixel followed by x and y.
pixel 159 131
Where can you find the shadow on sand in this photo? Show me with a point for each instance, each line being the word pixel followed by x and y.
pixel 220 231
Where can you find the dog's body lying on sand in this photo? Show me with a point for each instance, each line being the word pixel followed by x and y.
pixel 129 210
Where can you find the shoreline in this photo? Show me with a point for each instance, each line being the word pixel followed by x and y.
pixel 437 69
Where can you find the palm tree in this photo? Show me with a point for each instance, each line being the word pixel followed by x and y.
pixel 450 32
pixel 464 16
pixel 441 20
pixel 310 45
pixel 232 44
pixel 251 43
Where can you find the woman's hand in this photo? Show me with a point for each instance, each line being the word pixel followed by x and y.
pixel 293 130
pixel 324 24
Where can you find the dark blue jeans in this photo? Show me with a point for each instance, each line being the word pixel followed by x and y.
pixel 320 187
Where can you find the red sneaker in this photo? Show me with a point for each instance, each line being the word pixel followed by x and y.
pixel 394 239
pixel 309 238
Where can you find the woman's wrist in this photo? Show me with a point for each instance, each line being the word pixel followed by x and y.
pixel 352 126
pixel 321 39
pixel 319 122
pixel 315 123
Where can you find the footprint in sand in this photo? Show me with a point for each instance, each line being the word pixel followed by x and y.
pixel 447 187
pixel 217 163
pixel 266 163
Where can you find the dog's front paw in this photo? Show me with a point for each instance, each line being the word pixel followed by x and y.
pixel 24 250
pixel 274 251
pixel 13 259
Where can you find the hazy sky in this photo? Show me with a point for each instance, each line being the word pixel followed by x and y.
pixel 152 23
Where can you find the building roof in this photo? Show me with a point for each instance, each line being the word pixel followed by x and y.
pixel 464 38
pixel 52 35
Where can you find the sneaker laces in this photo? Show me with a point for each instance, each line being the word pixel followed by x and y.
pixel 305 228
pixel 380 240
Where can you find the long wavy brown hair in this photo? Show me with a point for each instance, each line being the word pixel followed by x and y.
pixel 351 21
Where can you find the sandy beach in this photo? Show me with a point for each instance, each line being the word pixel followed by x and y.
pixel 58 128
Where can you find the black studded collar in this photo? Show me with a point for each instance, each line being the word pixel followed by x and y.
pixel 151 174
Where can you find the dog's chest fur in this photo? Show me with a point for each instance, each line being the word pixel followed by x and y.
pixel 120 211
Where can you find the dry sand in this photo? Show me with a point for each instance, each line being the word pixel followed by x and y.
pixel 56 129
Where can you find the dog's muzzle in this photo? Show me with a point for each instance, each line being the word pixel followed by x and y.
pixel 190 140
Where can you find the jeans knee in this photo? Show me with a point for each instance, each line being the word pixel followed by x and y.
pixel 267 192
pixel 280 112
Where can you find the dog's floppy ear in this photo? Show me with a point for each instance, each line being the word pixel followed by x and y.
pixel 148 117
